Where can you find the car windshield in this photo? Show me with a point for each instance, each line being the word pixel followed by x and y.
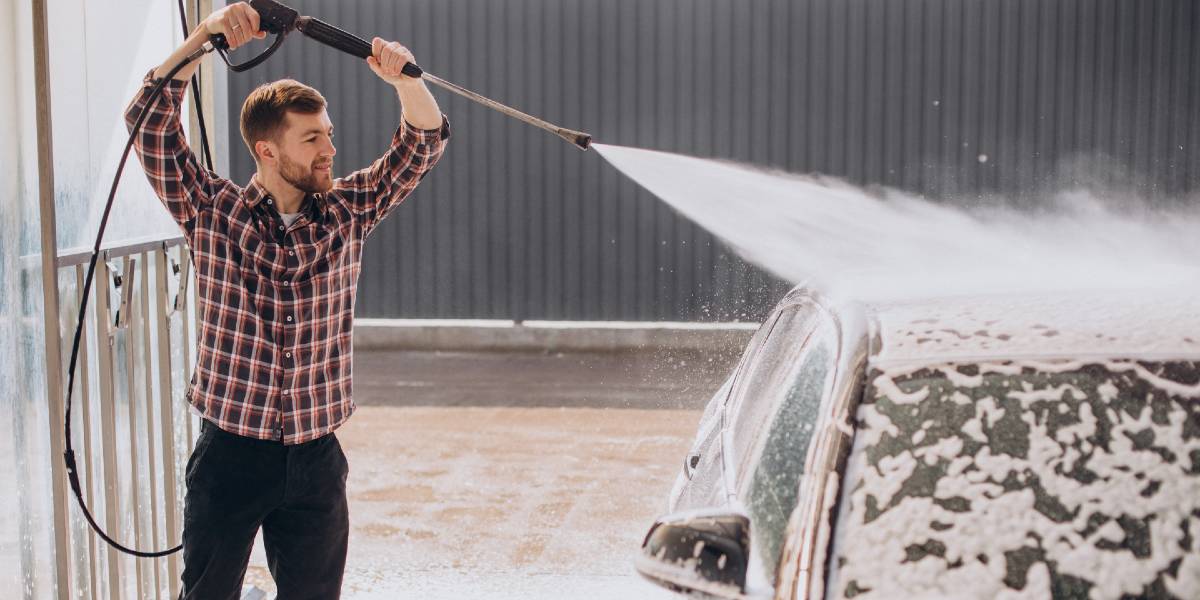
pixel 1078 478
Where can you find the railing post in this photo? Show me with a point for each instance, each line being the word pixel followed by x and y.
pixel 85 461
pixel 53 344
pixel 184 308
pixel 148 386
pixel 108 424
pixel 162 319
pixel 127 317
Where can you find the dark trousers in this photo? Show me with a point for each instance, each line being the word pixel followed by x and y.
pixel 297 494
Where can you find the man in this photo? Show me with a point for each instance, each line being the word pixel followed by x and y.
pixel 277 266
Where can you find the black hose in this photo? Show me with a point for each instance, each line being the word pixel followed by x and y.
pixel 204 146
pixel 69 455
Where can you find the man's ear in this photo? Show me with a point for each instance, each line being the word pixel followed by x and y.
pixel 265 150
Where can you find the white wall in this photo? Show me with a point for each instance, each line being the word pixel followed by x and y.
pixel 101 50
pixel 26 554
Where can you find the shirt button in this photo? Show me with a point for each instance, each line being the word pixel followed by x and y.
pixel 287 283
pixel 281 227
pixel 286 392
pixel 287 354
pixel 268 200
pixel 289 318
pixel 291 253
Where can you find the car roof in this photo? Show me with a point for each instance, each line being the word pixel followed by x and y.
pixel 1150 324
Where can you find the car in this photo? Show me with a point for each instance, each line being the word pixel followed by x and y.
pixel 992 446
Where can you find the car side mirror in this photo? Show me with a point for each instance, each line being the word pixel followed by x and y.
pixel 699 551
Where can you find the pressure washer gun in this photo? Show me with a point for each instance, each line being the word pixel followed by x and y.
pixel 275 18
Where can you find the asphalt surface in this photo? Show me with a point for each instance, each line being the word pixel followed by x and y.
pixel 512 475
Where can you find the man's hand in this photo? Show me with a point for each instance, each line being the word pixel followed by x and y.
pixel 237 22
pixel 417 105
pixel 389 58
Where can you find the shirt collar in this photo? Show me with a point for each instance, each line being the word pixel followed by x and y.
pixel 313 204
pixel 255 192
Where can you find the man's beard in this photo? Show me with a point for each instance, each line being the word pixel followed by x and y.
pixel 305 180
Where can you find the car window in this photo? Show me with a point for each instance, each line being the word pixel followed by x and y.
pixel 762 383
pixel 770 481
pixel 703 486
pixel 753 348
pixel 707 482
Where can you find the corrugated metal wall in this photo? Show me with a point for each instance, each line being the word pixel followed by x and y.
pixel 943 97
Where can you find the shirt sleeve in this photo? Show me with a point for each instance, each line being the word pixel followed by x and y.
pixel 373 192
pixel 178 179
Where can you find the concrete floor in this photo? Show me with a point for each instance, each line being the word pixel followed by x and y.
pixel 512 475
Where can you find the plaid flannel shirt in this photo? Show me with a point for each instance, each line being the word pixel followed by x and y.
pixel 275 303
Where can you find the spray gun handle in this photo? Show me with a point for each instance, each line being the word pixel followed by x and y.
pixel 345 41
pixel 222 45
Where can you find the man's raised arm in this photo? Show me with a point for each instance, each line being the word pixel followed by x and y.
pixel 177 177
pixel 416 147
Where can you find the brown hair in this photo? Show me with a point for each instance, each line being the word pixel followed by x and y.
pixel 266 107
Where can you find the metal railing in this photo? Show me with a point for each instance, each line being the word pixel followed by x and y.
pixel 132 429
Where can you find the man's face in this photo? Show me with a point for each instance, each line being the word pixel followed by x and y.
pixel 306 152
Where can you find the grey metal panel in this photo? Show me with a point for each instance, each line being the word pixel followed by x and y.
pixel 1174 168
pixel 905 93
pixel 1193 145
pixel 1062 127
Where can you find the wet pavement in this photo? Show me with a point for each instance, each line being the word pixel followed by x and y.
pixel 678 379
pixel 512 475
